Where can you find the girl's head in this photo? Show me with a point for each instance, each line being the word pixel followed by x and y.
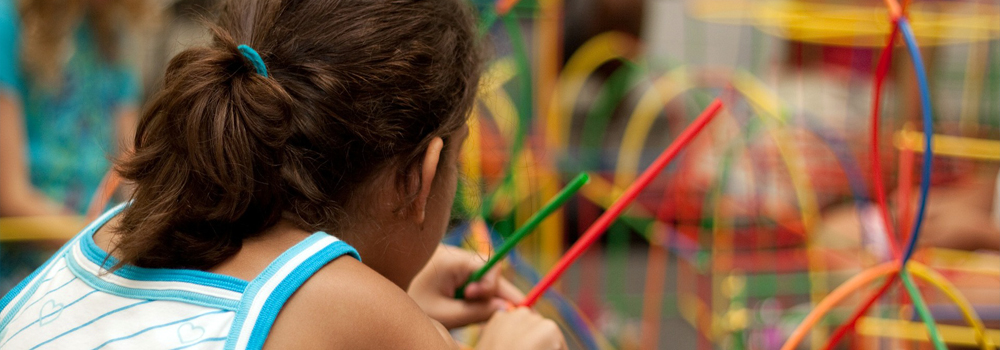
pixel 341 135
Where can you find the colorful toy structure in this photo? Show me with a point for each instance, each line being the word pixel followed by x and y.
pixel 735 223
pixel 725 229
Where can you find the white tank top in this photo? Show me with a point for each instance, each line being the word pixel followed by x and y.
pixel 71 302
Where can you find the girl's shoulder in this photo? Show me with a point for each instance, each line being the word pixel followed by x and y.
pixel 348 305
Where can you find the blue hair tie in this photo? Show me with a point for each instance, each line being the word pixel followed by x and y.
pixel 254 57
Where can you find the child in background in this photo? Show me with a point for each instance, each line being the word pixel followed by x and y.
pixel 962 215
pixel 310 134
pixel 67 100
pixel 67 96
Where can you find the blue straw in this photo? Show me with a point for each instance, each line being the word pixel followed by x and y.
pixel 925 106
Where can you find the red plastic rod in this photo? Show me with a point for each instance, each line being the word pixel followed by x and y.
pixel 604 221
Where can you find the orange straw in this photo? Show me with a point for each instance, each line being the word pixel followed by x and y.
pixel 855 283
pixel 895 10
pixel 656 275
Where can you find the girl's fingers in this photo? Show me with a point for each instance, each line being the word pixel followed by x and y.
pixel 462 313
pixel 485 288
pixel 507 291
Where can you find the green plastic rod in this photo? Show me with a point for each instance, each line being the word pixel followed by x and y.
pixel 549 208
pixel 922 310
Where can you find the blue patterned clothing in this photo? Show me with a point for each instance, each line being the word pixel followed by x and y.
pixel 70 129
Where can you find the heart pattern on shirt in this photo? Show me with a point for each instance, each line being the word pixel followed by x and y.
pixel 49 312
pixel 188 333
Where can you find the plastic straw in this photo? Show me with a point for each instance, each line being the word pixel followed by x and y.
pixel 925 104
pixel 925 314
pixel 598 228
pixel 529 226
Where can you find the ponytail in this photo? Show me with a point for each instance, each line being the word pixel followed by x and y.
pixel 211 140
pixel 324 96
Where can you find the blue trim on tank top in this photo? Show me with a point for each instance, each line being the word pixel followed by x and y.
pixel 251 293
pixel 269 310
pixel 258 282
pixel 97 255
pixel 154 294
pixel 35 282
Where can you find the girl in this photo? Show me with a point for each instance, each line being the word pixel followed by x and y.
pixel 310 135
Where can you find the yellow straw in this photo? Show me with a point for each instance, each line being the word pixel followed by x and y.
pixel 955 146
pixel 954 335
pixel 56 227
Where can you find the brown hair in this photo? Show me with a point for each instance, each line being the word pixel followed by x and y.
pixel 354 86
pixel 48 27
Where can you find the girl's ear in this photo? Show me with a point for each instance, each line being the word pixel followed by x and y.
pixel 428 170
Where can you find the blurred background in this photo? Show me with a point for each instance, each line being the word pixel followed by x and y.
pixel 760 219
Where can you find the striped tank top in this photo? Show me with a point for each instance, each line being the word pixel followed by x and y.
pixel 70 302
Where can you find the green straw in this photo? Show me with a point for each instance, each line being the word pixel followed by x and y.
pixel 529 226
pixel 922 310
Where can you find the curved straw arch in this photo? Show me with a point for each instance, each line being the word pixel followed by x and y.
pixel 598 117
pixel 767 105
pixel 676 82
pixel 766 102
pixel 504 115
pixel 640 122
pixel 594 53
pixel 968 312
pixel 838 294
pixel 871 274
pixel 500 110
pixel 763 101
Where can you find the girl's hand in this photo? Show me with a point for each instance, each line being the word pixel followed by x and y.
pixel 521 329
pixel 434 289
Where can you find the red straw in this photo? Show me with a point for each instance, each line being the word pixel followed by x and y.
pixel 597 229
pixel 860 311
pixel 880 73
